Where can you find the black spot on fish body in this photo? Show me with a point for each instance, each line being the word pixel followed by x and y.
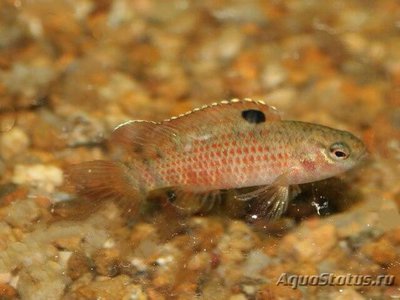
pixel 253 116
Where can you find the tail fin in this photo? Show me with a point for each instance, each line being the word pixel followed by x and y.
pixel 101 179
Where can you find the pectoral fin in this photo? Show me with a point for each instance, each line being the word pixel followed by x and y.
pixel 273 199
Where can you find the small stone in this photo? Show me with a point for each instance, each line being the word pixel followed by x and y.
pixel 393 236
pixel 5 277
pixel 6 235
pixel 273 75
pixel 77 265
pixel 117 288
pixel 207 232
pixel 168 262
pixel 45 281
pixel 28 81
pixel 144 240
pixel 107 261
pixel 63 258
pixel 22 213
pixel 152 294
pixel 355 43
pixel 381 251
pixel 71 243
pixel 7 292
pixel 355 224
pixel 43 177
pixel 200 262
pixel 7 119
pixel 255 262
pixel 13 142
pixel 310 245
pixel 238 297
pixel 142 232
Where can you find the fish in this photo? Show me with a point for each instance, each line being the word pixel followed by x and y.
pixel 227 145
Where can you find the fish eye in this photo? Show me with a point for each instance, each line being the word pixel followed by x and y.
pixel 339 151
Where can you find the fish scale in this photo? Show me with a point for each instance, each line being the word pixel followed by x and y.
pixel 230 145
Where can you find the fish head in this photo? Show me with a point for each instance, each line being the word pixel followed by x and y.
pixel 328 152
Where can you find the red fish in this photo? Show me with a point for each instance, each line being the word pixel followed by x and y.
pixel 227 145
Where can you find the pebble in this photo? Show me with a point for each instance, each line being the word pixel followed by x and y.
pixel 44 281
pixel 238 297
pixel 382 251
pixel 77 266
pixel 393 236
pixel 34 76
pixel 107 261
pixel 7 292
pixel 273 75
pixel 117 288
pixel 45 178
pixel 6 235
pixel 200 262
pixel 307 244
pixel 22 213
pixel 255 262
pixel 13 142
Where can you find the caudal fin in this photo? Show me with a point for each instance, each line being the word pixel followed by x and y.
pixel 100 179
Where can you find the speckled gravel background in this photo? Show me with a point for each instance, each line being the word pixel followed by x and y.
pixel 72 70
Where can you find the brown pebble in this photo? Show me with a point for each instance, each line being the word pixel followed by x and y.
pixel 143 232
pixel 107 261
pixel 77 265
pixel 71 243
pixel 116 288
pixel 381 251
pixel 152 294
pixel 394 235
pixel 7 292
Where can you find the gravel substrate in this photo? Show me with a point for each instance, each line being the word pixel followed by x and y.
pixel 70 71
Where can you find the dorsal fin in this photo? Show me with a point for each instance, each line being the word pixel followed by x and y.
pixel 139 138
pixel 235 110
pixel 145 138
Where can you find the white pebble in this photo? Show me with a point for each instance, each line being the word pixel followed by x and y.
pixel 43 177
